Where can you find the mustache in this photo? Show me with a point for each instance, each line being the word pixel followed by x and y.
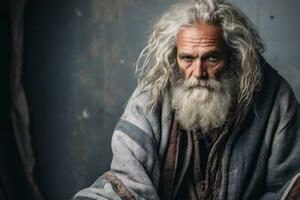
pixel 194 83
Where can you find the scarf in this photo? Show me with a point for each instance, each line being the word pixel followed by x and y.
pixel 196 184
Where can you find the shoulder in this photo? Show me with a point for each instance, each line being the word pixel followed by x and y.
pixel 276 101
pixel 138 113
pixel 275 90
pixel 141 98
pixel 284 96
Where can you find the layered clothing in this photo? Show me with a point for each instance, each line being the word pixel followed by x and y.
pixel 260 159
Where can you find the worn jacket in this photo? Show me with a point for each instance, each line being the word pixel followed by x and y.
pixel 261 159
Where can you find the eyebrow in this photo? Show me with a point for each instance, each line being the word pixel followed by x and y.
pixel 184 54
pixel 214 52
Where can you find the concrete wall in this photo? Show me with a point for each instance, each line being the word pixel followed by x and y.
pixel 278 24
pixel 79 72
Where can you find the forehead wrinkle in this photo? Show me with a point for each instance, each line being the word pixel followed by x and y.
pixel 200 42
pixel 200 45
pixel 198 39
pixel 201 35
pixel 204 44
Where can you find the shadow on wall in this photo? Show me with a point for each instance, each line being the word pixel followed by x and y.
pixel 79 71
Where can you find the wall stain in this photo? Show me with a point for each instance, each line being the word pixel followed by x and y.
pixel 108 10
pixel 105 46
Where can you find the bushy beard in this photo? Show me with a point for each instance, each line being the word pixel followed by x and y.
pixel 203 104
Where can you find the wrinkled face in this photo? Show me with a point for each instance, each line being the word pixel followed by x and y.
pixel 201 51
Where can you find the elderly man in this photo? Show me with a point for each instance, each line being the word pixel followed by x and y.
pixel 210 118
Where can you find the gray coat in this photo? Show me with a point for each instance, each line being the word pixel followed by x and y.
pixel 261 158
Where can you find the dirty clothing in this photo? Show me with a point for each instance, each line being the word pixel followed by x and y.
pixel 261 158
pixel 202 179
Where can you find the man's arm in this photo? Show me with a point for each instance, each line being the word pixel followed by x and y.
pixel 135 168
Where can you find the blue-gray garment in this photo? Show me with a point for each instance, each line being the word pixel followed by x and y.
pixel 261 158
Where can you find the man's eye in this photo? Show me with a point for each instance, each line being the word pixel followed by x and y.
pixel 213 58
pixel 187 58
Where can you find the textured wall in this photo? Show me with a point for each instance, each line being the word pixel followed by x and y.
pixel 79 71
pixel 278 24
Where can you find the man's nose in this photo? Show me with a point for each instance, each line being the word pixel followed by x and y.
pixel 198 69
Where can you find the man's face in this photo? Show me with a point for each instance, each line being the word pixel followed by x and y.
pixel 202 100
pixel 201 51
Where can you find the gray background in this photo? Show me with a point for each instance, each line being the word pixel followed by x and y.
pixel 79 72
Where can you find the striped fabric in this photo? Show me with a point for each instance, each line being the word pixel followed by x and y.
pixel 138 144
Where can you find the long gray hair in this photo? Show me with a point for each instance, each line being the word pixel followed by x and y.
pixel 157 62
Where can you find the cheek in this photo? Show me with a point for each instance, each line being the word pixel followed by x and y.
pixel 215 71
pixel 184 68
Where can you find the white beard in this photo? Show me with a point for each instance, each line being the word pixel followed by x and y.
pixel 203 104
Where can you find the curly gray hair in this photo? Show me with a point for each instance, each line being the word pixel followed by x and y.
pixel 157 62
